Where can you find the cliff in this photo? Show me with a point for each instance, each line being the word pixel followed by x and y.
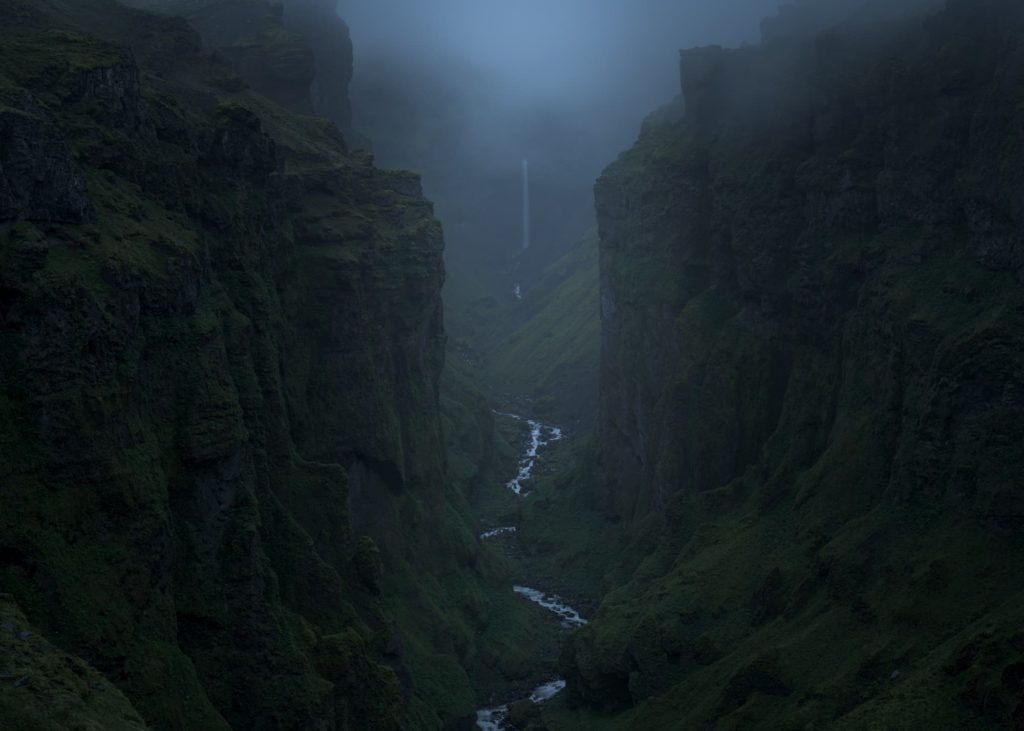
pixel 298 53
pixel 220 349
pixel 812 386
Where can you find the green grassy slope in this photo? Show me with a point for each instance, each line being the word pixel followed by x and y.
pixel 542 351
pixel 550 353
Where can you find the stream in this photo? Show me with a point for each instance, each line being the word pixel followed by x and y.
pixel 541 435
pixel 493 719
pixel 568 616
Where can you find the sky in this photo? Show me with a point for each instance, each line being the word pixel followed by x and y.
pixel 498 72
pixel 544 51
pixel 463 90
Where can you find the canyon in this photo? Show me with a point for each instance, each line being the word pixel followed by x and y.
pixel 744 454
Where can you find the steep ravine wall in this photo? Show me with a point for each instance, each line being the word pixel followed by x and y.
pixel 813 386
pixel 298 53
pixel 220 336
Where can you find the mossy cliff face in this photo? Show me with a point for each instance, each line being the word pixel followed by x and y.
pixel 251 35
pixel 220 339
pixel 44 689
pixel 298 53
pixel 812 407
pixel 328 36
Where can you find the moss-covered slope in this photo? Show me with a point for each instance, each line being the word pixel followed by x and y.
pixel 813 383
pixel 539 350
pixel 547 350
pixel 44 689
pixel 220 348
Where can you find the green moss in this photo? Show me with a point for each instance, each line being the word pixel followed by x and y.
pixel 210 365
pixel 43 688
pixel 549 353
pixel 806 418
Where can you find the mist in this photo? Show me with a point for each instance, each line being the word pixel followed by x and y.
pixel 565 53
pixel 602 63
pixel 463 90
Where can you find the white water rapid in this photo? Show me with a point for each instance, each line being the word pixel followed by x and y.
pixel 553 603
pixel 541 435
pixel 493 719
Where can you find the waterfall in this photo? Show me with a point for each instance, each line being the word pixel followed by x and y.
pixel 526 205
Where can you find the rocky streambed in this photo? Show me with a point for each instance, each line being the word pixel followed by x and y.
pixel 496 718
pixel 541 435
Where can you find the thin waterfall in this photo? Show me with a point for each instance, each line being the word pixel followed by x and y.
pixel 526 205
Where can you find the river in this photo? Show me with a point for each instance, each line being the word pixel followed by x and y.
pixel 541 435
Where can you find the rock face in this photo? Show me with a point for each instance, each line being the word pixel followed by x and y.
pixel 328 36
pixel 44 688
pixel 220 340
pixel 298 53
pixel 813 385
pixel 250 33
pixel 39 179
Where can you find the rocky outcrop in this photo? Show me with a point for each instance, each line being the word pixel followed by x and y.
pixel 39 179
pixel 317 21
pixel 812 383
pixel 274 60
pixel 219 332
pixel 42 687
pixel 298 53
pixel 802 19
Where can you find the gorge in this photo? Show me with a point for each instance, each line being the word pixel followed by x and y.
pixel 322 409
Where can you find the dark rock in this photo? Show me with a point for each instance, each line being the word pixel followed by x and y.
pixel 706 651
pixel 466 723
pixel 251 311
pixel 1013 677
pixel 368 564
pixel 810 369
pixel 769 600
pixel 328 36
pixel 115 95
pixel 39 179
pixel 523 714
pixel 240 146
pixel 761 675
pixel 298 53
